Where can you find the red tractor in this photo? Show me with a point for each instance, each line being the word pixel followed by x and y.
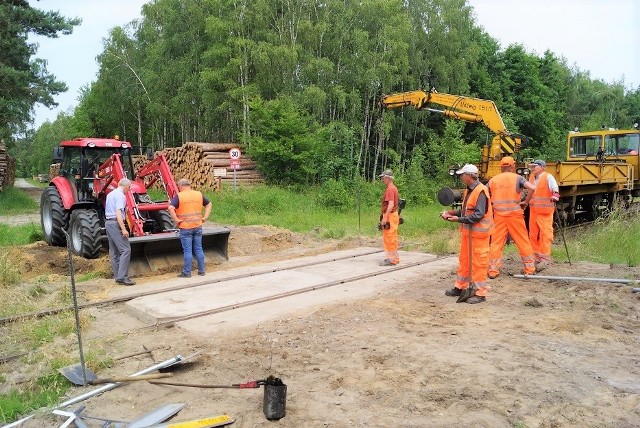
pixel 90 168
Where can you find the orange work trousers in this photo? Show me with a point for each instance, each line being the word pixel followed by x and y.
pixel 478 264
pixel 514 226
pixel 390 241
pixel 541 235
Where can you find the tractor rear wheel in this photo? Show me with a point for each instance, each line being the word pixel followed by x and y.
pixel 85 233
pixel 53 217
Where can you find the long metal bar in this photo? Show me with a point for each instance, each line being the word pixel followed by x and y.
pixel 76 311
pixel 181 287
pixel 109 386
pixel 335 282
pixel 579 278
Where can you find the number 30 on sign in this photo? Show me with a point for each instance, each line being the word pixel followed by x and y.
pixel 234 153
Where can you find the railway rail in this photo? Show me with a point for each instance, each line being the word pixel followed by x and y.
pixel 123 299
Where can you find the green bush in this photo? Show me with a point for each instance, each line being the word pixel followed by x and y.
pixel 334 194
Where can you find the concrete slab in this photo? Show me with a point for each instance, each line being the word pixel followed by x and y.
pixel 290 276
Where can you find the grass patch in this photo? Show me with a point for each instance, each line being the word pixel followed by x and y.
pixel 45 392
pixel 88 276
pixel 9 274
pixel 19 235
pixel 612 240
pixel 304 211
pixel 16 201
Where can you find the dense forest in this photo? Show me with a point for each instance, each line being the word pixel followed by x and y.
pixel 298 82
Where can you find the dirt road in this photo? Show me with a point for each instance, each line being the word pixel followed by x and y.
pixel 538 353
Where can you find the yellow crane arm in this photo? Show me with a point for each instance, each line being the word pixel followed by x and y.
pixel 461 108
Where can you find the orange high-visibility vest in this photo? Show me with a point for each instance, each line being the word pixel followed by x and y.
pixel 189 209
pixel 484 226
pixel 541 200
pixel 504 195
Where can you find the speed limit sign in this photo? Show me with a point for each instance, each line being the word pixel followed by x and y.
pixel 234 153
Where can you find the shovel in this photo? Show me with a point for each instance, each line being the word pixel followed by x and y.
pixel 78 374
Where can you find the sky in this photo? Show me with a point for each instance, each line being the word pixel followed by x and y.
pixel 599 36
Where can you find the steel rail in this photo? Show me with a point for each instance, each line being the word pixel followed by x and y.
pixel 233 306
pixel 54 311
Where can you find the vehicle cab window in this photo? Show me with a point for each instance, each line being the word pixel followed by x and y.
pixel 71 162
pixel 622 144
pixel 584 146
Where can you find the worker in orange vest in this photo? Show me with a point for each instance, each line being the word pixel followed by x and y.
pixel 186 211
pixel 476 222
pixel 541 210
pixel 508 217
pixel 389 220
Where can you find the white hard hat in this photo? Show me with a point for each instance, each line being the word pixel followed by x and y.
pixel 468 169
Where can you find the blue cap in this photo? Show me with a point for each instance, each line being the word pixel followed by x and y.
pixel 539 162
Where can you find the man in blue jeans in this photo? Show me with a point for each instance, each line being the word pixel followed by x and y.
pixel 186 212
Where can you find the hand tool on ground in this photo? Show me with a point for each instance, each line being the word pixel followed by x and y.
pixel 170 362
pixel 246 385
pixel 130 378
pixel 78 374
pixel 70 417
pixel 216 421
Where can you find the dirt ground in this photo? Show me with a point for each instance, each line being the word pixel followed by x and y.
pixel 538 353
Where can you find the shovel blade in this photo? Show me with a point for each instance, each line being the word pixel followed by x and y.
pixel 74 374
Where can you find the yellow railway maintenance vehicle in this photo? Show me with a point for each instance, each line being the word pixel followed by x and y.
pixel 601 169
pixel 601 166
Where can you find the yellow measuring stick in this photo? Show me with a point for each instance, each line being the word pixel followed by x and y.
pixel 216 421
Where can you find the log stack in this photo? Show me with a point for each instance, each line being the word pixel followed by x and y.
pixel 203 163
pixel 7 168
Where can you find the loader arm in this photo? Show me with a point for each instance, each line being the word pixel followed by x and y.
pixel 458 107
pixel 108 176
pixel 159 168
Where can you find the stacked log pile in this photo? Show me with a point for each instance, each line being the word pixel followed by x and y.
pixel 7 168
pixel 217 155
pixel 199 162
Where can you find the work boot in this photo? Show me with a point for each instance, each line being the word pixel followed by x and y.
pixel 476 299
pixel 467 293
pixel 454 292
pixel 387 262
pixel 540 266
pixel 494 275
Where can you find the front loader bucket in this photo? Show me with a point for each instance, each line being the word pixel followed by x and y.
pixel 161 251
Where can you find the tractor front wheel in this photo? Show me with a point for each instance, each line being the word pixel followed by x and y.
pixel 85 233
pixel 53 217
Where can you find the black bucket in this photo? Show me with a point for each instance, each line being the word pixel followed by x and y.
pixel 275 399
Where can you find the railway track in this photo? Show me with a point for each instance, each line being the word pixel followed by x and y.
pixel 208 282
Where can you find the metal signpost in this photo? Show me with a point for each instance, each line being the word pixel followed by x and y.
pixel 234 155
